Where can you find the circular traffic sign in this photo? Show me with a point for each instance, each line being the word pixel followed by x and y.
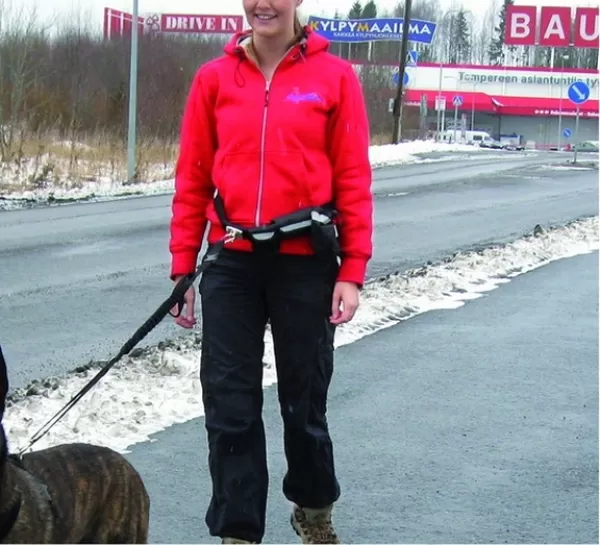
pixel 579 92
pixel 405 79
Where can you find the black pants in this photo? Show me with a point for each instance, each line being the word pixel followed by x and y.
pixel 239 293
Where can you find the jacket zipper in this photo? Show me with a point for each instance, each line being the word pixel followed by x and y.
pixel 263 138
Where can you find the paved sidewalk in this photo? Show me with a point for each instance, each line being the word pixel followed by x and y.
pixel 476 425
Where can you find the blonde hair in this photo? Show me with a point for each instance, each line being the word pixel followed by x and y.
pixel 298 28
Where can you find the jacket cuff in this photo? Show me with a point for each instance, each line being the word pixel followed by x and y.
pixel 183 263
pixel 353 269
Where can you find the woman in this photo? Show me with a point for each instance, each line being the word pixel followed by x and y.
pixel 276 125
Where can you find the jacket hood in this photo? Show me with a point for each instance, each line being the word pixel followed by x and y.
pixel 310 42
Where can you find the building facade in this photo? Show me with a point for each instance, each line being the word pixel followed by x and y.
pixel 529 104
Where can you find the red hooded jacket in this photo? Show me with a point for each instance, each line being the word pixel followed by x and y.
pixel 269 149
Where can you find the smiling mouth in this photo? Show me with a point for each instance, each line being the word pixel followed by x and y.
pixel 265 17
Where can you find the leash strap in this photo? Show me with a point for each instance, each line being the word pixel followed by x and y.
pixel 175 299
pixel 287 226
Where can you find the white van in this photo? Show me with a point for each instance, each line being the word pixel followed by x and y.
pixel 471 137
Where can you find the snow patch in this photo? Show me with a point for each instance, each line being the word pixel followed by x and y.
pixel 407 152
pixel 38 184
pixel 157 387
pixel 566 167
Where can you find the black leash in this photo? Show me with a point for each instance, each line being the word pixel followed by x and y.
pixel 175 299
pixel 289 225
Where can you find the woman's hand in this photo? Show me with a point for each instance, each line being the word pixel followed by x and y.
pixel 186 319
pixel 345 302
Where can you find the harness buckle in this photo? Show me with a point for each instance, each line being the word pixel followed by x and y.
pixel 231 234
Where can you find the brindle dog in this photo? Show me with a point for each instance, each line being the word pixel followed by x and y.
pixel 73 493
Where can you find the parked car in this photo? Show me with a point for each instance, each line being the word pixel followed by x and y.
pixel 490 143
pixel 587 145
pixel 513 147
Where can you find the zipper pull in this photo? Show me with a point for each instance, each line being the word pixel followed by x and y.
pixel 267 88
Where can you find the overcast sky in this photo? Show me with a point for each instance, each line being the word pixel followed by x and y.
pixel 93 9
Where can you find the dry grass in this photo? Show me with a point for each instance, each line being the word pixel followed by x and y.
pixel 381 139
pixel 39 162
pixel 62 163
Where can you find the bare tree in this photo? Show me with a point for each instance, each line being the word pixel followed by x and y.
pixel 20 37
pixel 483 34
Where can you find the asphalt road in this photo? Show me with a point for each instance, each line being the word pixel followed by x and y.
pixel 77 280
pixel 475 425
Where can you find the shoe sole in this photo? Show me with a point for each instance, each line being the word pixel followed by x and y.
pixel 294 526
pixel 296 529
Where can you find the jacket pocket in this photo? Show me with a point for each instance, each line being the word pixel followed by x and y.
pixel 285 186
pixel 236 179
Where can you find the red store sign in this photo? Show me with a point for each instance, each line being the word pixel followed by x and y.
pixel 551 26
pixel 199 24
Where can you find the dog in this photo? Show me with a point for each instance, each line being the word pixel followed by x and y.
pixel 71 493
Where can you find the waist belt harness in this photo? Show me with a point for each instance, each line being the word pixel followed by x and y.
pixel 316 222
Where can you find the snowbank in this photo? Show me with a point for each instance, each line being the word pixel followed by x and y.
pixel 135 399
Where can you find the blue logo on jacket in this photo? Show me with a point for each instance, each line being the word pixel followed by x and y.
pixel 297 97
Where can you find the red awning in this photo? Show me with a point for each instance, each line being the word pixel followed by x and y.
pixel 533 106
pixel 517 106
pixel 479 102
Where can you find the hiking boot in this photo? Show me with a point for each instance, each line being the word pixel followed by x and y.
pixel 234 540
pixel 314 525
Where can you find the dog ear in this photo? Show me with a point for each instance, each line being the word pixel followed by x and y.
pixel 3 383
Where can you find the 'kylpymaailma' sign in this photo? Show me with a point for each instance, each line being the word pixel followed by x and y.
pixel 370 30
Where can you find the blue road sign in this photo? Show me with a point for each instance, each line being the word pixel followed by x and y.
pixel 413 57
pixel 457 100
pixel 567 133
pixel 371 30
pixel 579 92
pixel 405 80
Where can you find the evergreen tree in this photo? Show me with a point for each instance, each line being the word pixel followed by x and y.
pixel 354 13
pixel 369 11
pixel 339 47
pixel 496 51
pixel 460 50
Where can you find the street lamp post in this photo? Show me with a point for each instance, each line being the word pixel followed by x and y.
pixel 133 69
pixel 473 107
pixel 563 58
pixel 401 70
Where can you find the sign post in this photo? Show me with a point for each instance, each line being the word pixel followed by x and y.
pixel 457 101
pixel 133 70
pixel 401 71
pixel 578 93
pixel 440 106
pixel 423 116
